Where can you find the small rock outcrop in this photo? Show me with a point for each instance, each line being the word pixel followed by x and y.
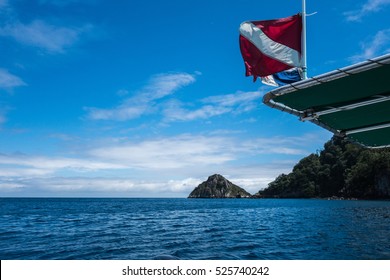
pixel 217 186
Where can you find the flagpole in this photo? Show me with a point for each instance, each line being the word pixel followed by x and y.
pixel 304 62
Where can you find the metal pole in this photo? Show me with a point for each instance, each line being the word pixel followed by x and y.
pixel 304 62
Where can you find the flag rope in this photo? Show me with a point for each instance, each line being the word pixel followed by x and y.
pixel 304 59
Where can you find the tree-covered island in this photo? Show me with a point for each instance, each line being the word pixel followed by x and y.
pixel 341 169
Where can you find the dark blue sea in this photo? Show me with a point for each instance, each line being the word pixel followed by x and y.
pixel 109 228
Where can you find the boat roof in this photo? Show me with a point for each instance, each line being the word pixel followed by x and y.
pixel 352 102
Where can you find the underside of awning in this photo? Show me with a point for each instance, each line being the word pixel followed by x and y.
pixel 352 102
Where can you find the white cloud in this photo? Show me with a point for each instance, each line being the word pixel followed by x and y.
pixel 182 152
pixel 3 3
pixel 212 106
pixel 251 179
pixel 158 155
pixel 2 118
pixel 258 178
pixel 121 113
pixel 173 166
pixel 371 6
pixel 60 3
pixel 162 85
pixel 189 152
pixel 175 110
pixel 24 165
pixel 275 145
pixel 52 39
pixel 143 102
pixel 257 182
pixel 8 80
pixel 64 3
pixel 122 92
pixel 378 44
pixel 97 186
pixel 230 100
pixel 168 153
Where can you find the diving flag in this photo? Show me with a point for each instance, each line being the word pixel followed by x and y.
pixel 283 78
pixel 271 46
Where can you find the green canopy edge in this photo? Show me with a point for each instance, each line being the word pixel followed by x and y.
pixel 352 102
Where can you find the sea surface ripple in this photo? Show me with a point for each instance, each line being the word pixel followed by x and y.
pixel 178 228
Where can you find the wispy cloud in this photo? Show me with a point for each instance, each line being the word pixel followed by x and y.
pixel 252 179
pixel 374 46
pixel 212 106
pixel 2 118
pixel 25 165
pixel 190 151
pixel 9 81
pixel 3 3
pixel 275 145
pixel 60 3
pixel 174 110
pixel 173 166
pixel 40 34
pixel 168 153
pixel 143 102
pixel 371 6
pixel 79 186
pixel 162 85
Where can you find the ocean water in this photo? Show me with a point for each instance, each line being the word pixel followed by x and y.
pixel 109 228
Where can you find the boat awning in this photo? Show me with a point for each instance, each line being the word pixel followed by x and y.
pixel 352 102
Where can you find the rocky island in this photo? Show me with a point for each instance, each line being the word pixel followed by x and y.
pixel 218 186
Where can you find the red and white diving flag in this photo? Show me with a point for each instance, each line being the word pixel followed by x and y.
pixel 271 46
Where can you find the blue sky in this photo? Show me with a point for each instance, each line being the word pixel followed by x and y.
pixel 149 98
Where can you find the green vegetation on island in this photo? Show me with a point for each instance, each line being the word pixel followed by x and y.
pixel 218 186
pixel 341 169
